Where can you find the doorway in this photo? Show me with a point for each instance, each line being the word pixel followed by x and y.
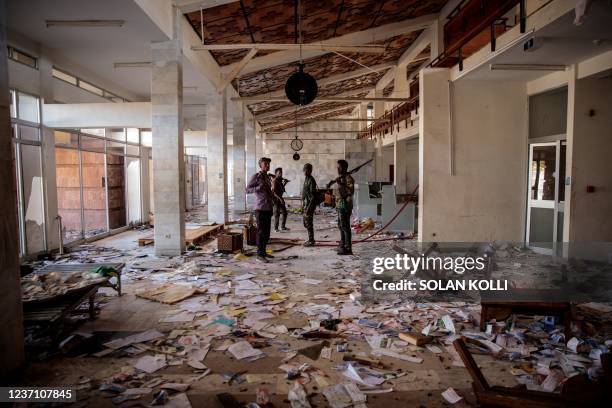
pixel 546 190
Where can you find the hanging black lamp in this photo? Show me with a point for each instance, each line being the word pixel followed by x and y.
pixel 301 88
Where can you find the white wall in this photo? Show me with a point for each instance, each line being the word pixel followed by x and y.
pixel 590 142
pixel 323 153
pixel 484 199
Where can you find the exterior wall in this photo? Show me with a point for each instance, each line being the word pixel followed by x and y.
pixel 480 196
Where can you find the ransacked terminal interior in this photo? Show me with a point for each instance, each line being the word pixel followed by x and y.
pixel 269 203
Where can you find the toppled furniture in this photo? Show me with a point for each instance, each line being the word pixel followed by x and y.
pixel 193 234
pixel 546 302
pixel 577 391
pixel 365 205
pixel 111 269
pixel 48 313
pixel 49 307
pixel 390 206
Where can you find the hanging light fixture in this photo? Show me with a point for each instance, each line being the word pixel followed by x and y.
pixel 301 88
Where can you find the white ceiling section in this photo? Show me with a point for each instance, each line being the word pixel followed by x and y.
pixel 96 49
pixel 560 43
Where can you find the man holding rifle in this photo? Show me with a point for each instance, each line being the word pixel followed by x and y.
pixel 344 206
pixel 280 209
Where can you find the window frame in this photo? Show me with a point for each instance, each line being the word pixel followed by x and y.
pixel 11 55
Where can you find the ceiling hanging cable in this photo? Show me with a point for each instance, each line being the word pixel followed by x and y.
pixel 300 29
pixel 355 61
pixel 202 24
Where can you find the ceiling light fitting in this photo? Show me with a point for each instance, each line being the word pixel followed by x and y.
pixel 526 67
pixel 85 23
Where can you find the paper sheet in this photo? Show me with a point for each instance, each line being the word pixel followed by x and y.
pixel 243 349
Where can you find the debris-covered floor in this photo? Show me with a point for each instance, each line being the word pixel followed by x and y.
pixel 256 330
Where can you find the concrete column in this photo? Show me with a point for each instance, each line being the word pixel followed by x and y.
pixel 259 150
pixel 188 184
pixel 11 318
pixel 401 88
pixel 168 150
pixel 239 165
pixel 48 153
pixel 216 158
pixel 400 166
pixel 379 110
pixel 251 157
pixel 379 106
pixel 434 142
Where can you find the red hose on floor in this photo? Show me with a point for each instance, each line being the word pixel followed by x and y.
pixel 381 228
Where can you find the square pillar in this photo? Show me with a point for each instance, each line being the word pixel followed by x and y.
pixel 11 318
pixel 239 175
pixel 434 148
pixel 216 158
pixel 168 149
pixel 48 152
pixel 251 156
pixel 400 166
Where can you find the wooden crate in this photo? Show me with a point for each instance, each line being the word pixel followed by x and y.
pixel 229 242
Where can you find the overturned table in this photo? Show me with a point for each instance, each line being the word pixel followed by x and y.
pixel 53 310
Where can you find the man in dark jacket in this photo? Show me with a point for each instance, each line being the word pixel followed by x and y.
pixel 261 186
pixel 309 203
pixel 280 209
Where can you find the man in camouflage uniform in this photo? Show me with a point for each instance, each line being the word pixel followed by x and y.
pixel 280 209
pixel 345 187
pixel 309 203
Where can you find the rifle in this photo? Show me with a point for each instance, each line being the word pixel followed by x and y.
pixel 355 170
pixel 284 180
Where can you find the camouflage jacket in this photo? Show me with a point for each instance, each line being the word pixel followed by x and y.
pixel 344 190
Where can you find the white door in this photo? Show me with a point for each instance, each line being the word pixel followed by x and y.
pixel 546 195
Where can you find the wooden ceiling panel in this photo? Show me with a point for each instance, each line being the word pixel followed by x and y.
pixel 340 112
pixel 312 110
pixel 272 21
pixel 350 84
pixel 274 78
pixel 263 107
pixel 220 30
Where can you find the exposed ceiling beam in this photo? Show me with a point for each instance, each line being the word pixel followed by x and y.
pixel 162 13
pixel 336 78
pixel 320 99
pixel 312 115
pixel 410 55
pixel 361 37
pixel 230 77
pixel 373 49
pixel 316 102
pixel 188 6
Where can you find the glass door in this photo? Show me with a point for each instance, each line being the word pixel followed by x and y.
pixel 546 195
